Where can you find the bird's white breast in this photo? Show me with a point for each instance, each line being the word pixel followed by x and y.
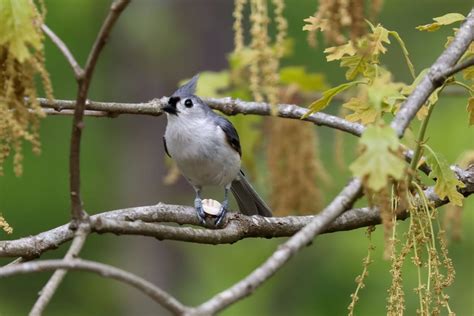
pixel 201 151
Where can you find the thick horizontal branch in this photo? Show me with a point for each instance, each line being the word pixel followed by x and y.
pixel 148 221
pixel 103 270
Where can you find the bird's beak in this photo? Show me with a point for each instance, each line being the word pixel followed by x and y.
pixel 170 109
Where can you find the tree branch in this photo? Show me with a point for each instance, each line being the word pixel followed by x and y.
pixel 284 252
pixel 436 75
pixel 148 221
pixel 77 70
pixel 77 211
pixel 53 283
pixel 227 106
pixel 158 295
pixel 459 67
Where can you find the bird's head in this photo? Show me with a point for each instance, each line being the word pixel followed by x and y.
pixel 184 104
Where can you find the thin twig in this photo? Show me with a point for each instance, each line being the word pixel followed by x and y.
pixel 459 67
pixel 158 295
pixel 78 72
pixel 78 214
pixel 53 283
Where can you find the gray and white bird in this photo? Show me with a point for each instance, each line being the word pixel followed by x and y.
pixel 206 149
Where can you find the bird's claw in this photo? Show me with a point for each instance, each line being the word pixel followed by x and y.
pixel 221 215
pixel 200 211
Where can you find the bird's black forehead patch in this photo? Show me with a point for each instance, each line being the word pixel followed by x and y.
pixel 173 101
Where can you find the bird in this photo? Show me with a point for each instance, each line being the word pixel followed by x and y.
pixel 206 149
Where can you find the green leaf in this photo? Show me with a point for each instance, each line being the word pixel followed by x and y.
pixel 378 37
pixel 362 111
pixel 374 99
pixel 405 52
pixel 379 160
pixel 446 19
pixel 323 102
pixel 357 65
pixel 17 27
pixel 446 181
pixel 337 52
pixel 304 80
pixel 470 109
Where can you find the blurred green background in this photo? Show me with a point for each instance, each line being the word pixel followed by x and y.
pixel 154 45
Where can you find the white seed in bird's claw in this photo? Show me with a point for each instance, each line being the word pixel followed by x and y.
pixel 211 207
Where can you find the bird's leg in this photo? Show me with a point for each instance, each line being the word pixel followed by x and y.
pixel 224 206
pixel 198 206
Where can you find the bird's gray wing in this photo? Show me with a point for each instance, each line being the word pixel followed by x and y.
pixel 230 132
pixel 166 148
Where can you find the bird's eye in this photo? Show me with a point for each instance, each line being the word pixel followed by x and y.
pixel 188 103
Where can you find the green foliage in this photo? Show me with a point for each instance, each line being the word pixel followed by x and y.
pixel 308 82
pixel 328 95
pixel 446 19
pixel 19 28
pixel 21 59
pixel 380 159
pixel 375 99
pixel 446 181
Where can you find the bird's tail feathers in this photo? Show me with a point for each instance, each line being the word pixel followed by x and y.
pixel 248 200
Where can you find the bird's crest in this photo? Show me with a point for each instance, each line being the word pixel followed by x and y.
pixel 189 88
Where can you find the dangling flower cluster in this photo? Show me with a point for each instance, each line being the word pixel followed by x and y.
pixel 338 19
pixel 261 56
pixel 5 226
pixel 21 59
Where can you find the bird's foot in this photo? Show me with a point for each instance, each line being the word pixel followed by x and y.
pixel 200 210
pixel 221 215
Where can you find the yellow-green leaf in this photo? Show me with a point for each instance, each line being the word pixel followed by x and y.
pixel 337 52
pixel 314 24
pixel 374 99
pixel 470 109
pixel 305 81
pixel 18 27
pixel 357 65
pixel 379 160
pixel 379 36
pixel 362 111
pixel 323 102
pixel 446 181
pixel 446 19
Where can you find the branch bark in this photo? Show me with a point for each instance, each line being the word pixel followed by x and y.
pixel 77 70
pixel 83 81
pixel 149 221
pixel 106 271
pixel 437 74
pixel 50 288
